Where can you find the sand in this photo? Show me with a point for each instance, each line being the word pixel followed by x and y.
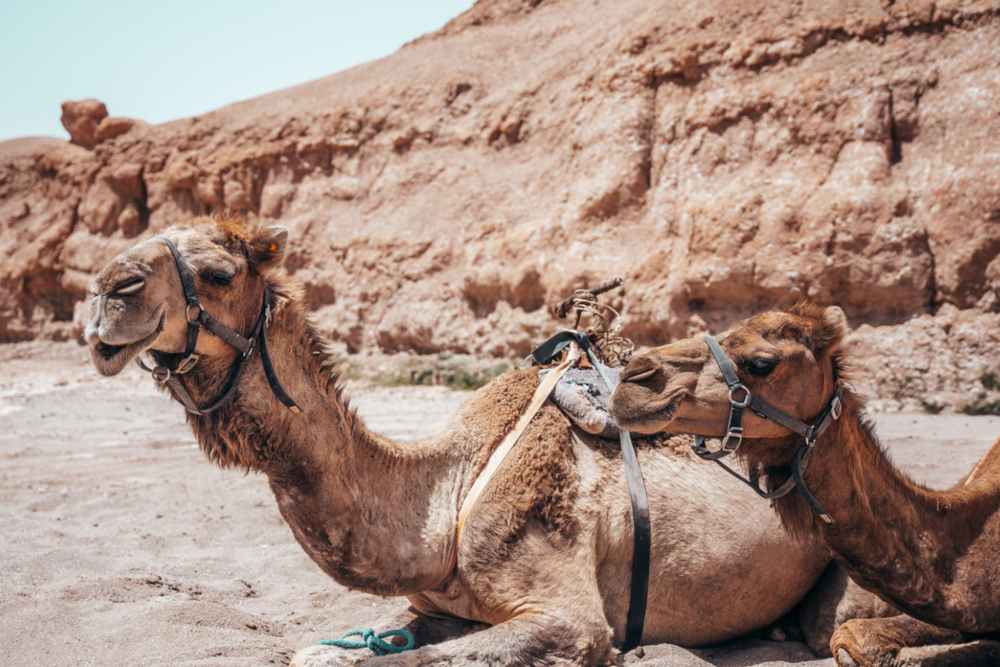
pixel 122 545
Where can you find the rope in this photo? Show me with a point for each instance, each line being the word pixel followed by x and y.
pixel 374 642
pixel 605 330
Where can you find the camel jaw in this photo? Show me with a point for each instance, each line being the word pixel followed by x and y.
pixel 110 359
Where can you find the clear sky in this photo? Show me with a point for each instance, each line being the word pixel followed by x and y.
pixel 159 60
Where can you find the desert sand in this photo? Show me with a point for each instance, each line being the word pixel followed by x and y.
pixel 122 545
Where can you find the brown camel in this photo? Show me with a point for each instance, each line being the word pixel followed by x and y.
pixel 933 554
pixel 543 565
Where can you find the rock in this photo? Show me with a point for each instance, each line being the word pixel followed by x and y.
pixel 126 179
pixel 114 126
pixel 723 157
pixel 81 119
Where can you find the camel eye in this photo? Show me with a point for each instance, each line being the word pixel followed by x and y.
pixel 217 278
pixel 761 366
pixel 129 286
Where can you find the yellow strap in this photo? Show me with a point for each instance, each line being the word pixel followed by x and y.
pixel 545 388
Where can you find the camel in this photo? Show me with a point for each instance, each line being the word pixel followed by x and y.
pixel 932 554
pixel 541 574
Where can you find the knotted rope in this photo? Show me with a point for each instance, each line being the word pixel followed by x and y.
pixel 375 642
pixel 605 330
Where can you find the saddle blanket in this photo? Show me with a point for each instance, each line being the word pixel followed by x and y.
pixel 583 397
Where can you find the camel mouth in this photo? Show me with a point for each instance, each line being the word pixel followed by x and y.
pixel 650 423
pixel 110 359
pixel 638 409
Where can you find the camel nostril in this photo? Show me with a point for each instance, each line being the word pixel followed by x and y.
pixel 91 335
pixel 639 369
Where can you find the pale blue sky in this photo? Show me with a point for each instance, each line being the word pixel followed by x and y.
pixel 163 60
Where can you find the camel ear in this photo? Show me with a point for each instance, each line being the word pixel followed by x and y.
pixel 833 328
pixel 267 248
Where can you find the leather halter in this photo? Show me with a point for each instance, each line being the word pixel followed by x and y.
pixel 169 366
pixel 740 398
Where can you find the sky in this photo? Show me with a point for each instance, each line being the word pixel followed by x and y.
pixel 161 60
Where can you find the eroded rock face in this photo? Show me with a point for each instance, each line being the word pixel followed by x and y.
pixel 723 156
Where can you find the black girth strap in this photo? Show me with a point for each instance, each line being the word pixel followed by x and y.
pixel 740 398
pixel 170 366
pixel 641 534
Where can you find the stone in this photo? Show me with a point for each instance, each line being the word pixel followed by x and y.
pixel 114 126
pixel 81 119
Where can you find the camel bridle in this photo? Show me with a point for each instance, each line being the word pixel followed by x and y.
pixel 170 366
pixel 741 398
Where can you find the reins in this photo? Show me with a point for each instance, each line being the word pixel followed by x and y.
pixel 740 398
pixel 170 366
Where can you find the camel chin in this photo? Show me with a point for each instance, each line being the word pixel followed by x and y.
pixel 111 359
pixel 659 421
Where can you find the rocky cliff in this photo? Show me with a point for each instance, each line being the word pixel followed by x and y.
pixel 723 156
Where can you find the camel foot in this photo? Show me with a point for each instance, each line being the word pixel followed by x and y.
pixel 877 642
pixel 854 645
pixel 844 659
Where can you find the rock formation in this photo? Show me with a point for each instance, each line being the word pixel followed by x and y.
pixel 723 156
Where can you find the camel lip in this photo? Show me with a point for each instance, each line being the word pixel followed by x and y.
pixel 657 412
pixel 111 359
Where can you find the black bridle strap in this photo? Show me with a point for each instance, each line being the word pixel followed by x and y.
pixel 272 377
pixel 760 407
pixel 219 330
pixel 197 316
pixel 739 399
pixel 186 276
pixel 642 540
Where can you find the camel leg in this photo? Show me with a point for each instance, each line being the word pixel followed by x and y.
pixel 554 638
pixel 834 600
pixel 426 630
pixel 876 642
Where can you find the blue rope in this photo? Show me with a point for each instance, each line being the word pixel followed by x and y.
pixel 374 642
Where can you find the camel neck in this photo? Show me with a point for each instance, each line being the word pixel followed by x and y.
pixel 374 514
pixel 909 544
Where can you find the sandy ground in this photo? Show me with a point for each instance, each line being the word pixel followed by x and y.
pixel 121 545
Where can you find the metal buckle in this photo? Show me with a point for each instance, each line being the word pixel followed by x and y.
pixel 187 312
pixel 161 374
pixel 736 433
pixel 732 392
pixel 836 407
pixel 186 364
pixel 253 344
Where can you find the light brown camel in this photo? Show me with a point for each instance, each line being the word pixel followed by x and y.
pixel 933 554
pixel 544 560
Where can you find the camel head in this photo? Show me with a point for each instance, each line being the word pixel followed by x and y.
pixel 137 302
pixel 788 358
